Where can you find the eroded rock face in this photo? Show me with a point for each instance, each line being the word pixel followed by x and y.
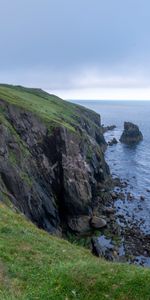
pixel 131 134
pixel 51 177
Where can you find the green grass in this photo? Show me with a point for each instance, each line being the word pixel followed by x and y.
pixel 50 108
pixel 35 265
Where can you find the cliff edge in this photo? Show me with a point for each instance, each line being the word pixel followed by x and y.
pixel 51 159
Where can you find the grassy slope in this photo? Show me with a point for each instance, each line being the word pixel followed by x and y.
pixel 48 107
pixel 35 265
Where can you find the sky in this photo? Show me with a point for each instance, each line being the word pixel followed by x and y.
pixel 77 49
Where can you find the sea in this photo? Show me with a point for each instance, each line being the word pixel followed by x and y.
pixel 129 163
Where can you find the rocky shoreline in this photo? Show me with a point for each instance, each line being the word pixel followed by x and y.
pixel 123 240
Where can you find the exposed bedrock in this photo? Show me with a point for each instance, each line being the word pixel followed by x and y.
pixel 52 176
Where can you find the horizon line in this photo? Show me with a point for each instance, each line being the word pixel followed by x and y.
pixel 108 100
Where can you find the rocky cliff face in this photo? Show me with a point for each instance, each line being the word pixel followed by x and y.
pixel 52 176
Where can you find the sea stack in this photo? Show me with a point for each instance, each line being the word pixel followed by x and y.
pixel 131 134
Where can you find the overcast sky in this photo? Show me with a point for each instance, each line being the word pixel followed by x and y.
pixel 89 49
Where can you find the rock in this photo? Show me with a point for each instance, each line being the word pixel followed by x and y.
pixel 122 196
pixel 97 222
pixel 142 198
pixel 131 134
pixel 124 184
pixel 114 195
pixel 148 190
pixel 112 142
pixel 109 210
pixel 108 128
pixel 130 196
pixel 96 247
pixel 80 225
pixel 112 218
pixel 102 247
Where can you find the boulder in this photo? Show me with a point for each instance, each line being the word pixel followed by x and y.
pixel 142 198
pixel 98 222
pixel 109 210
pixel 131 134
pixel 80 224
pixel 102 247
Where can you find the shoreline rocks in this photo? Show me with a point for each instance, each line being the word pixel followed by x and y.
pixel 113 142
pixel 108 128
pixel 123 240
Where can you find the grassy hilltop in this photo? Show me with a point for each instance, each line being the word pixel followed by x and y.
pixel 50 108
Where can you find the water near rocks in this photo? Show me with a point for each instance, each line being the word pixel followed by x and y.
pixel 130 163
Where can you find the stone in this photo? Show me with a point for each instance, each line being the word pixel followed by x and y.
pixel 112 218
pixel 102 247
pixel 98 222
pixel 130 196
pixel 80 224
pixel 108 128
pixel 109 210
pixel 114 195
pixel 113 142
pixel 131 134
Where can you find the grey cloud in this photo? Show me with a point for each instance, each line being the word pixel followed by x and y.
pixel 52 42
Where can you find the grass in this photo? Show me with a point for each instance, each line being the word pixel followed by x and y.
pixel 51 109
pixel 35 265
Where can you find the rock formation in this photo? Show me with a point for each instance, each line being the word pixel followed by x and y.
pixel 50 171
pixel 131 134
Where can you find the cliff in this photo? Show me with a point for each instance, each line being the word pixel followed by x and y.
pixel 52 165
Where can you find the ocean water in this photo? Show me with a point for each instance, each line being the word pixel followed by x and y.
pixel 130 163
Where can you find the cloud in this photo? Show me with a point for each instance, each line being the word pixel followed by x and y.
pixel 104 94
pixel 86 83
pixel 65 45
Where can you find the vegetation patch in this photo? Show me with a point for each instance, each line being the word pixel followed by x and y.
pixel 36 265
pixel 51 109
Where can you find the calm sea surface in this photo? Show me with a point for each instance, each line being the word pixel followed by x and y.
pixel 128 162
